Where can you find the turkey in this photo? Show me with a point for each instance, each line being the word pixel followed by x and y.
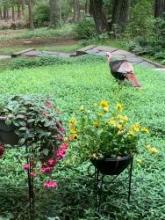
pixel 122 70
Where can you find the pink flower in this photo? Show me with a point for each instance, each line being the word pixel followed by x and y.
pixel 33 174
pixel 61 151
pixel 50 184
pixel 26 166
pixel 51 162
pixel 46 170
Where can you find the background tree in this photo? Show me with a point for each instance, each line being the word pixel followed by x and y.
pixel 30 5
pixel 96 10
pixel 54 12
pixel 159 8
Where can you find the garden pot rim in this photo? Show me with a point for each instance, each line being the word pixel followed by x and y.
pixel 110 158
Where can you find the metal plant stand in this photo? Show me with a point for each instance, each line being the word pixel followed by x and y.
pixel 7 136
pixel 99 180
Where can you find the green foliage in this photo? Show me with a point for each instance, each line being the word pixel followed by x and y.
pixel 41 15
pixel 140 24
pixel 36 123
pixel 103 132
pixel 85 29
pixel 154 45
pixel 82 82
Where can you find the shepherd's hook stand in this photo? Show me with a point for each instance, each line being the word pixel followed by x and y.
pixel 99 179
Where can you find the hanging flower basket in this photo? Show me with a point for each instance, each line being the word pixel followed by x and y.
pixel 112 166
pixel 7 133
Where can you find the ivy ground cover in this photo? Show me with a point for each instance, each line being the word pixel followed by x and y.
pixel 84 81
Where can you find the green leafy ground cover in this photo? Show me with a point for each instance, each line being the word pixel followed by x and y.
pixel 84 81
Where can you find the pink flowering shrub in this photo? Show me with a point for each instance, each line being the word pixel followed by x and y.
pixel 39 128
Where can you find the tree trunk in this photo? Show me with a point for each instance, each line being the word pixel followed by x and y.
pixel 31 24
pixel 120 14
pixel 18 11
pixel 22 7
pixel 76 9
pixel 0 13
pixel 159 8
pixel 13 13
pixel 124 14
pixel 87 7
pixel 54 13
pixel 96 10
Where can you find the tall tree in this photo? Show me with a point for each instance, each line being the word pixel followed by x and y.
pixel 30 5
pixel 159 8
pixel 120 13
pixel 96 10
pixel 54 12
pixel 76 10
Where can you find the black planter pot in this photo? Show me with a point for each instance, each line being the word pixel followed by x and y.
pixel 7 134
pixel 112 166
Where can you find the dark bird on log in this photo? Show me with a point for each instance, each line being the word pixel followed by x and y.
pixel 122 70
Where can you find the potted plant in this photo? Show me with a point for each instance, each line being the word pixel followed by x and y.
pixel 34 123
pixel 105 136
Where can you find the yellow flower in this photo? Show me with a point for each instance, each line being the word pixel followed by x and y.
pixel 104 104
pixel 73 121
pixel 152 150
pixel 122 118
pixel 73 130
pixel 119 107
pixel 96 124
pixel 106 109
pixel 135 128
pixel 145 130
pixel 119 126
pixel 73 137
pixel 139 161
pixel 112 122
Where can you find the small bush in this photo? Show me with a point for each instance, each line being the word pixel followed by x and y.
pixel 85 29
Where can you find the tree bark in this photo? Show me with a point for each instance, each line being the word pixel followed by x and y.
pixel 13 13
pixel 31 24
pixel 159 8
pixel 87 7
pixel 96 10
pixel 120 13
pixel 54 13
pixel 76 9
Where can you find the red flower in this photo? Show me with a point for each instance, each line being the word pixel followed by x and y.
pixel 1 150
pixel 50 184
pixel 52 162
pixel 61 151
pixel 46 170
pixel 26 166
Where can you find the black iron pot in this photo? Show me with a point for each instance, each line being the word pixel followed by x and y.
pixel 7 133
pixel 112 166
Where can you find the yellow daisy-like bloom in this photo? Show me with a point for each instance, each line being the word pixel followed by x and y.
pixel 145 130
pixel 152 150
pixel 119 107
pixel 112 122
pixel 119 126
pixel 139 161
pixel 73 121
pixel 104 104
pixel 135 128
pixel 106 109
pixel 122 118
